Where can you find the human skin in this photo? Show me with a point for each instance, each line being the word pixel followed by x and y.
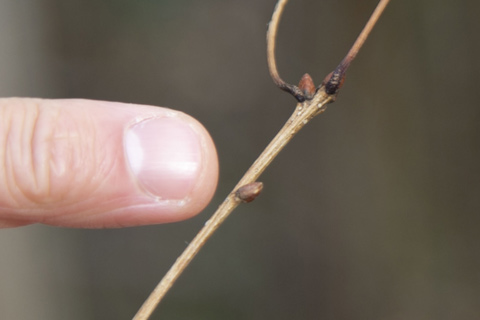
pixel 96 164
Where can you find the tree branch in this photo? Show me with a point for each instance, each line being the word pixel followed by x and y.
pixel 311 103
pixel 272 64
pixel 334 81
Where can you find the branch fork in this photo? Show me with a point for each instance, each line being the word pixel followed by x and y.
pixel 312 101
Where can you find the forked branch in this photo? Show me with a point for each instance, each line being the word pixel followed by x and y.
pixel 311 102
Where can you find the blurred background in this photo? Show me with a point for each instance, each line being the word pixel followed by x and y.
pixel 372 212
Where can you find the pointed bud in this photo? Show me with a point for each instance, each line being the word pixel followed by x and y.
pixel 307 86
pixel 249 192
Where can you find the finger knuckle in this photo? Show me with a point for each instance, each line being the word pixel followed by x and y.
pixel 42 160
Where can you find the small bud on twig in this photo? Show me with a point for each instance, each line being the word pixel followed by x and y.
pixel 312 102
pixel 334 81
pixel 307 86
pixel 249 192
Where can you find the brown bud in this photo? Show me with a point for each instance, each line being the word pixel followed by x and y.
pixel 327 78
pixel 307 86
pixel 249 192
pixel 334 81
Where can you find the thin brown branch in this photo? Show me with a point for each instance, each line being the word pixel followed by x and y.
pixel 303 113
pixel 246 189
pixel 272 64
pixel 333 82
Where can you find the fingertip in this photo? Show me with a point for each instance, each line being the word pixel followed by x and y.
pixel 207 180
pixel 179 167
pixel 103 164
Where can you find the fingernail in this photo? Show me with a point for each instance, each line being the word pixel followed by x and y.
pixel 164 155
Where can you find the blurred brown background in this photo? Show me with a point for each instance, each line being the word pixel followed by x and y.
pixel 371 213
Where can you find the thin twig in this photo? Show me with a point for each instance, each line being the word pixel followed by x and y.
pixel 246 189
pixel 333 82
pixel 303 113
pixel 272 64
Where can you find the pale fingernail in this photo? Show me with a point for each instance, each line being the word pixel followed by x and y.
pixel 165 156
